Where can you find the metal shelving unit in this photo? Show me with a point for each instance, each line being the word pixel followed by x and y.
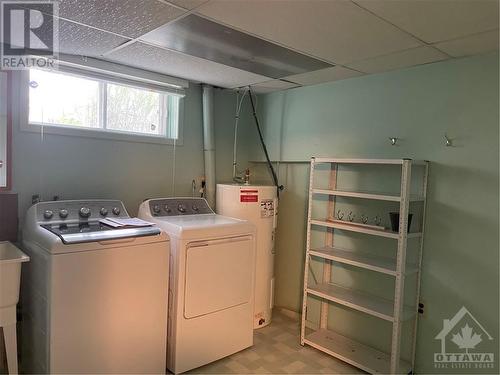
pixel 394 311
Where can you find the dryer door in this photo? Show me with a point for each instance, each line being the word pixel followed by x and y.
pixel 219 275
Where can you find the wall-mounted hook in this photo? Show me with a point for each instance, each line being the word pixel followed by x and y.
pixel 394 140
pixel 340 215
pixel 448 141
pixel 364 218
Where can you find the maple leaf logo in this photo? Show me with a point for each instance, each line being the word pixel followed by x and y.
pixel 466 339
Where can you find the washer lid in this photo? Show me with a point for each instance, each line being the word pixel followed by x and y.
pixel 96 232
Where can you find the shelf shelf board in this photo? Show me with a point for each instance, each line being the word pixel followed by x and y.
pixel 368 161
pixel 356 354
pixel 281 161
pixel 369 304
pixel 374 263
pixel 366 195
pixel 359 229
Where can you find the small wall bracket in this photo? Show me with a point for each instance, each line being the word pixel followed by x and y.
pixel 394 141
pixel 448 141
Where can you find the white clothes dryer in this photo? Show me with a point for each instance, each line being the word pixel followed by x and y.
pixel 211 293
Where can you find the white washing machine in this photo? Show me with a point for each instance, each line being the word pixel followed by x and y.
pixel 212 267
pixel 94 298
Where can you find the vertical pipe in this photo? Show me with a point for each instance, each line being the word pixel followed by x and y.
pixel 209 142
pixel 235 142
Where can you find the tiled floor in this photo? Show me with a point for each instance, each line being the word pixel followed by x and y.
pixel 277 350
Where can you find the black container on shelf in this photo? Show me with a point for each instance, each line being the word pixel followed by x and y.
pixel 395 221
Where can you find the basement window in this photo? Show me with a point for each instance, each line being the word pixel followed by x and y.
pixel 82 105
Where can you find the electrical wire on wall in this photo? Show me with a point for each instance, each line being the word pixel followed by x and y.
pixel 263 144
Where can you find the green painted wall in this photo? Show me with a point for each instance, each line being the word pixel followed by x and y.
pixel 79 167
pixel 224 119
pixel 354 118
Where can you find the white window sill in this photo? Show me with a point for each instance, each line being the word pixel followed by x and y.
pixel 98 134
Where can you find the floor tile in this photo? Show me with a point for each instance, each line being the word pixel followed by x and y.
pixel 277 350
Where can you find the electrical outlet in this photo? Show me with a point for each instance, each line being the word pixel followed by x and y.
pixel 421 308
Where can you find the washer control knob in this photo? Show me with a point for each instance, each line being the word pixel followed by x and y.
pixel 63 214
pixel 48 214
pixel 156 209
pixel 84 212
pixel 116 211
pixel 195 208
pixel 181 208
pixel 167 209
pixel 103 211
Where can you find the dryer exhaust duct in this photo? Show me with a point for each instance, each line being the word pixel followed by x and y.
pixel 209 143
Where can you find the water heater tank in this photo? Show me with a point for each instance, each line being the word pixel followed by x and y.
pixel 259 205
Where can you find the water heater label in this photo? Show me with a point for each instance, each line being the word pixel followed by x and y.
pixel 249 196
pixel 266 208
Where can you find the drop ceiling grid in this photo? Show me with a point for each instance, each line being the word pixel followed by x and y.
pixel 142 40
pixel 173 63
pixel 189 7
pixel 129 18
pixel 471 44
pixel 401 59
pixel 185 4
pixel 418 19
pixel 291 48
pixel 437 21
pixel 336 31
pixel 82 36
pixel 77 39
pixel 324 75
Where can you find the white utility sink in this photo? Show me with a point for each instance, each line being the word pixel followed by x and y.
pixel 10 278
pixel 10 274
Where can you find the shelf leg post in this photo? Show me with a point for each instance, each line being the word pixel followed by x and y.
pixel 400 265
pixel 306 265
pixel 327 265
pixel 419 271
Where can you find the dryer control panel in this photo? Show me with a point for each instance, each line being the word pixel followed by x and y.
pixel 179 206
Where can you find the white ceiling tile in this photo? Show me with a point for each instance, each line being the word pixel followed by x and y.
pixel 129 18
pixel 75 39
pixel 437 20
pixel 338 31
pixel 471 45
pixel 402 59
pixel 187 4
pixel 184 66
pixel 324 75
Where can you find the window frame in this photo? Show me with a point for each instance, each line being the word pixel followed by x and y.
pixel 8 117
pixel 102 132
